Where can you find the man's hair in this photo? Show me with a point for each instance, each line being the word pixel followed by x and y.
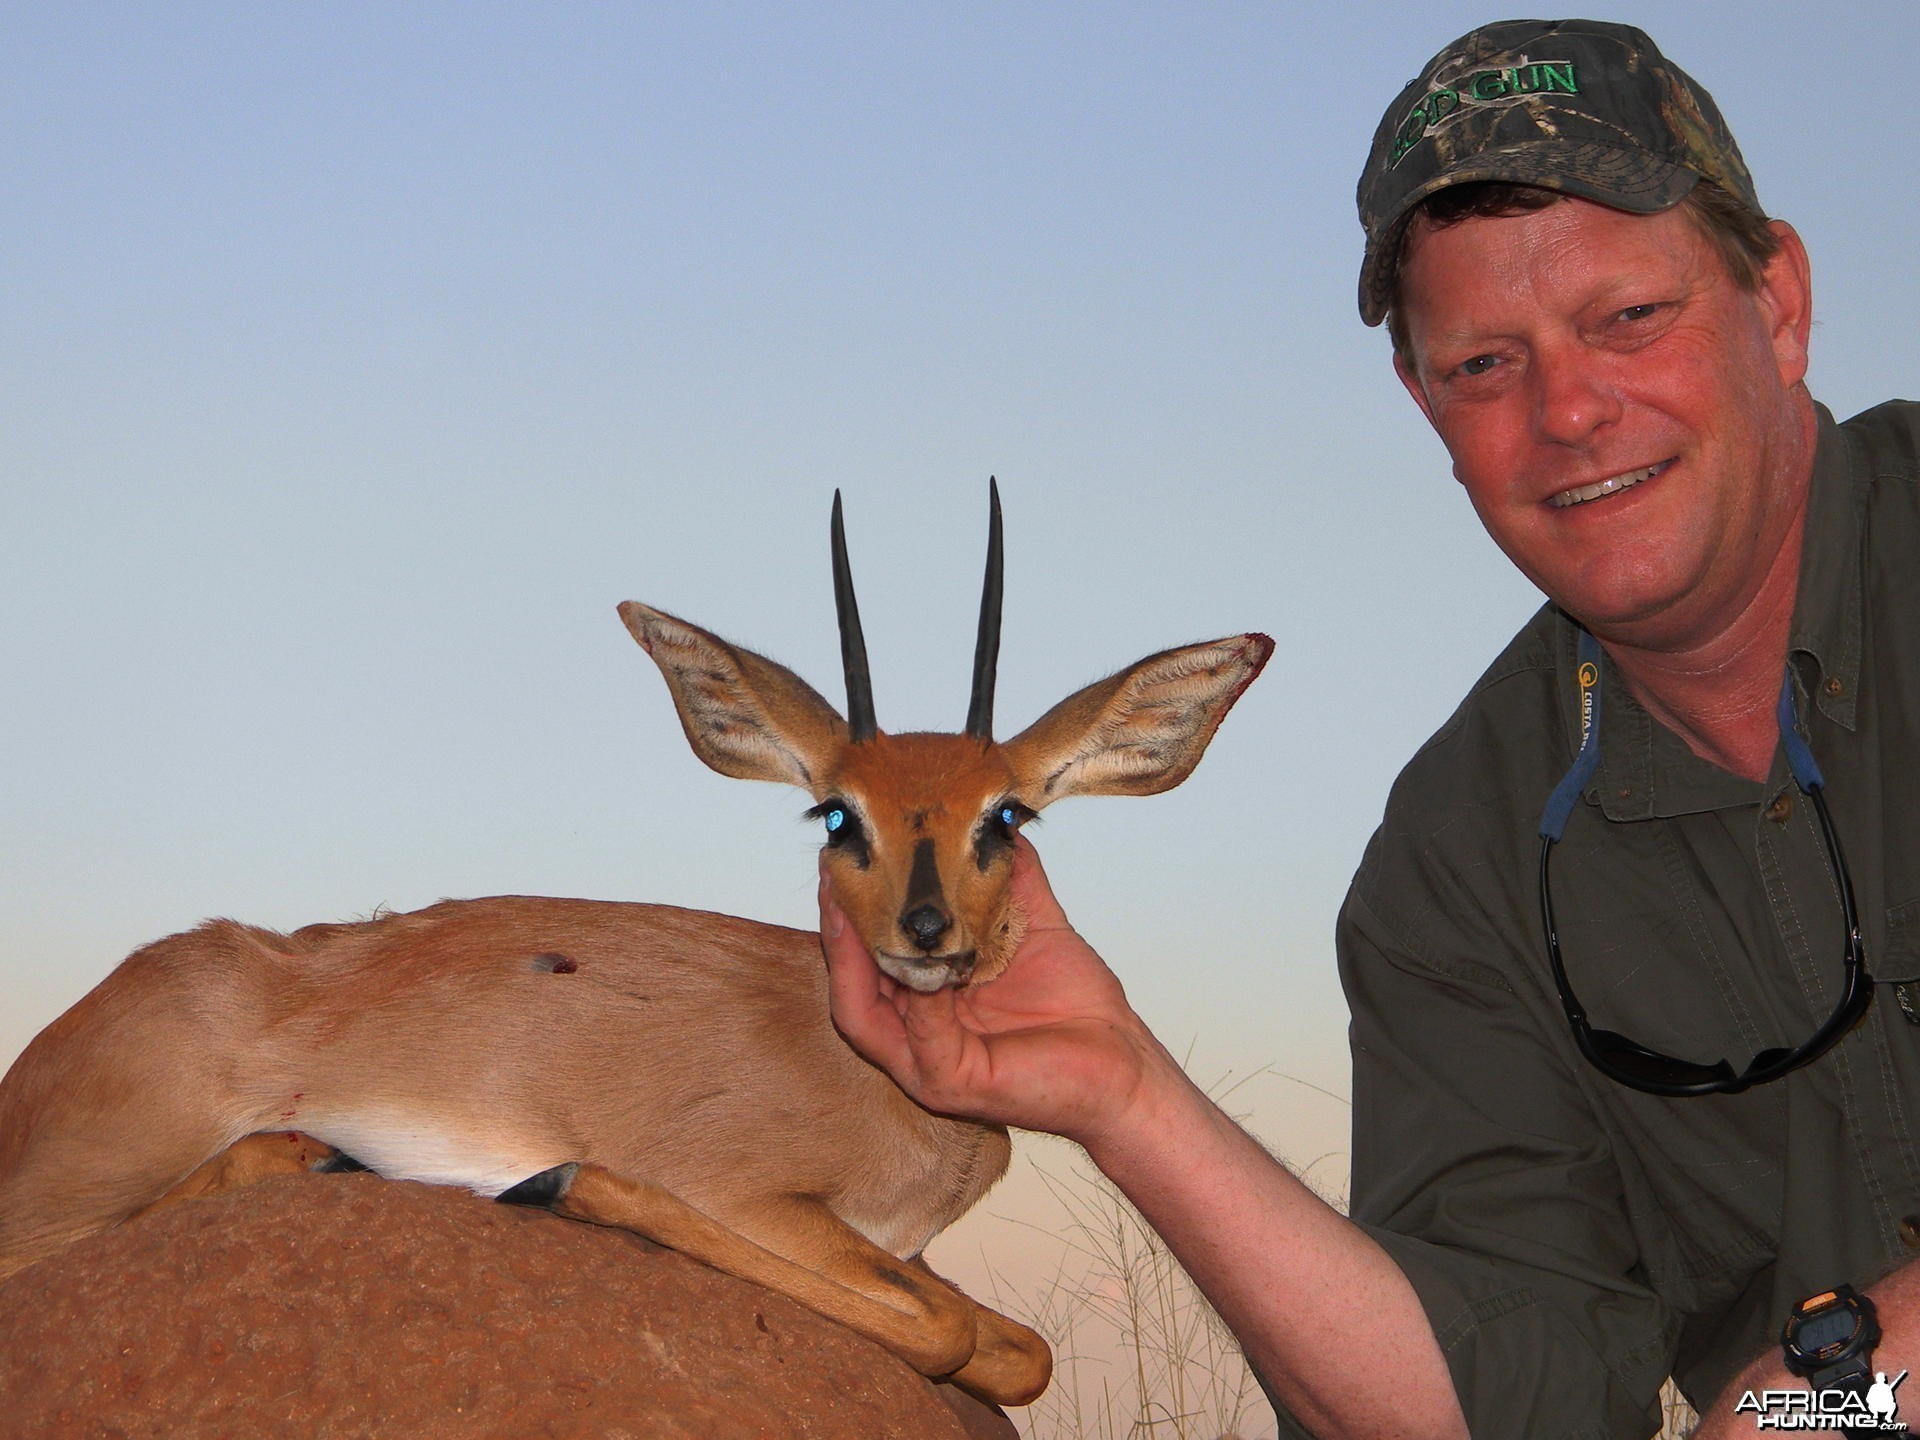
pixel 1738 232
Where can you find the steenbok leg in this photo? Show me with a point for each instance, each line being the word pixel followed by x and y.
pixel 254 1158
pixel 1010 1364
pixel 819 1261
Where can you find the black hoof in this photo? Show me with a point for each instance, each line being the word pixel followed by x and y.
pixel 338 1163
pixel 542 1189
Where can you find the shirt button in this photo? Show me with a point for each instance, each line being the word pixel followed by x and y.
pixel 1910 1232
pixel 1835 685
pixel 1781 810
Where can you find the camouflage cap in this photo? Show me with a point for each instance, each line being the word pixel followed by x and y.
pixel 1581 106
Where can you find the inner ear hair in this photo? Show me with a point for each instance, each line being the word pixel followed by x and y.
pixel 1141 730
pixel 745 715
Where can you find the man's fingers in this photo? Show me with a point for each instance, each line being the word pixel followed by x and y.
pixel 861 996
pixel 1031 891
pixel 938 1042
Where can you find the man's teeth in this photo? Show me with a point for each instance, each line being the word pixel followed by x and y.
pixel 1610 486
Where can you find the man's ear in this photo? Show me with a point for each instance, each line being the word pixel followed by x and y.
pixel 1786 288
pixel 1137 732
pixel 743 714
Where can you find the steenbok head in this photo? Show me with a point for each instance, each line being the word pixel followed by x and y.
pixel 919 826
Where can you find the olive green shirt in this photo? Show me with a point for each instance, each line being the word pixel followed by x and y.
pixel 1574 1241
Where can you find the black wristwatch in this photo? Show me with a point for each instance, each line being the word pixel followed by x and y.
pixel 1829 1340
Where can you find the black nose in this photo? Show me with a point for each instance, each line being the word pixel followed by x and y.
pixel 926 924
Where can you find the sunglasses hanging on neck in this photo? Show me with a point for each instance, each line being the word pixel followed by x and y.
pixel 1627 1062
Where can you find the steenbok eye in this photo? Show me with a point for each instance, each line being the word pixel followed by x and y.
pixel 1005 818
pixel 842 824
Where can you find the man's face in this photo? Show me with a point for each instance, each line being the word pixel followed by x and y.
pixel 1625 418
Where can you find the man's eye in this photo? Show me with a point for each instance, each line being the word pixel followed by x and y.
pixel 1479 364
pixel 1637 312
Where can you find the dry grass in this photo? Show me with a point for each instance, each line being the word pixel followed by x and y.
pixel 1677 1417
pixel 1139 1354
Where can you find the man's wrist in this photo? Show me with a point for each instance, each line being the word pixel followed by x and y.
pixel 1159 1100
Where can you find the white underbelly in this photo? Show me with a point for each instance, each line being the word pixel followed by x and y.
pixel 901 1240
pixel 412 1147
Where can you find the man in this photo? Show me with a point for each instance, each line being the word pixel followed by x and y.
pixel 1722 699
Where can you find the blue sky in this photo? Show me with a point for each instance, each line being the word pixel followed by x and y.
pixel 360 359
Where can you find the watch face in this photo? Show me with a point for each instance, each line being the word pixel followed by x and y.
pixel 1824 1331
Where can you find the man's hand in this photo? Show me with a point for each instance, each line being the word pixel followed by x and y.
pixel 1050 1044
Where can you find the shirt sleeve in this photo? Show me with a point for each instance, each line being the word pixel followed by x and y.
pixel 1480 1167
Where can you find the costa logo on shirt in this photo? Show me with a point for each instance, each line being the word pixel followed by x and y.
pixel 1588 676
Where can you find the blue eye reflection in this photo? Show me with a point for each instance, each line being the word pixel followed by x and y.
pixel 1006 815
pixel 835 818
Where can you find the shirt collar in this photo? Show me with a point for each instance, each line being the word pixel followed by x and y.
pixel 1826 614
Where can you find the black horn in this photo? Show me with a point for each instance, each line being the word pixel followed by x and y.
pixel 986 649
pixel 853 645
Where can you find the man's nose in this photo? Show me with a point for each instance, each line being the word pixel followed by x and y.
pixel 1573 397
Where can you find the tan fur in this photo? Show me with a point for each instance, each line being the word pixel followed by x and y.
pixel 684 1063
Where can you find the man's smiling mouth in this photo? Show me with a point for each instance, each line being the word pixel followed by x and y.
pixel 1612 485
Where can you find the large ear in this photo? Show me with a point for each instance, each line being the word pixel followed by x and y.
pixel 1138 732
pixel 744 715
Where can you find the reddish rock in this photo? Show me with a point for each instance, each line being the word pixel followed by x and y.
pixel 345 1305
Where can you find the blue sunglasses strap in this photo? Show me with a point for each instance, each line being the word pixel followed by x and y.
pixel 1806 770
pixel 1553 820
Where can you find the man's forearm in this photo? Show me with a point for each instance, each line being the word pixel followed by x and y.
pixel 1314 1301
